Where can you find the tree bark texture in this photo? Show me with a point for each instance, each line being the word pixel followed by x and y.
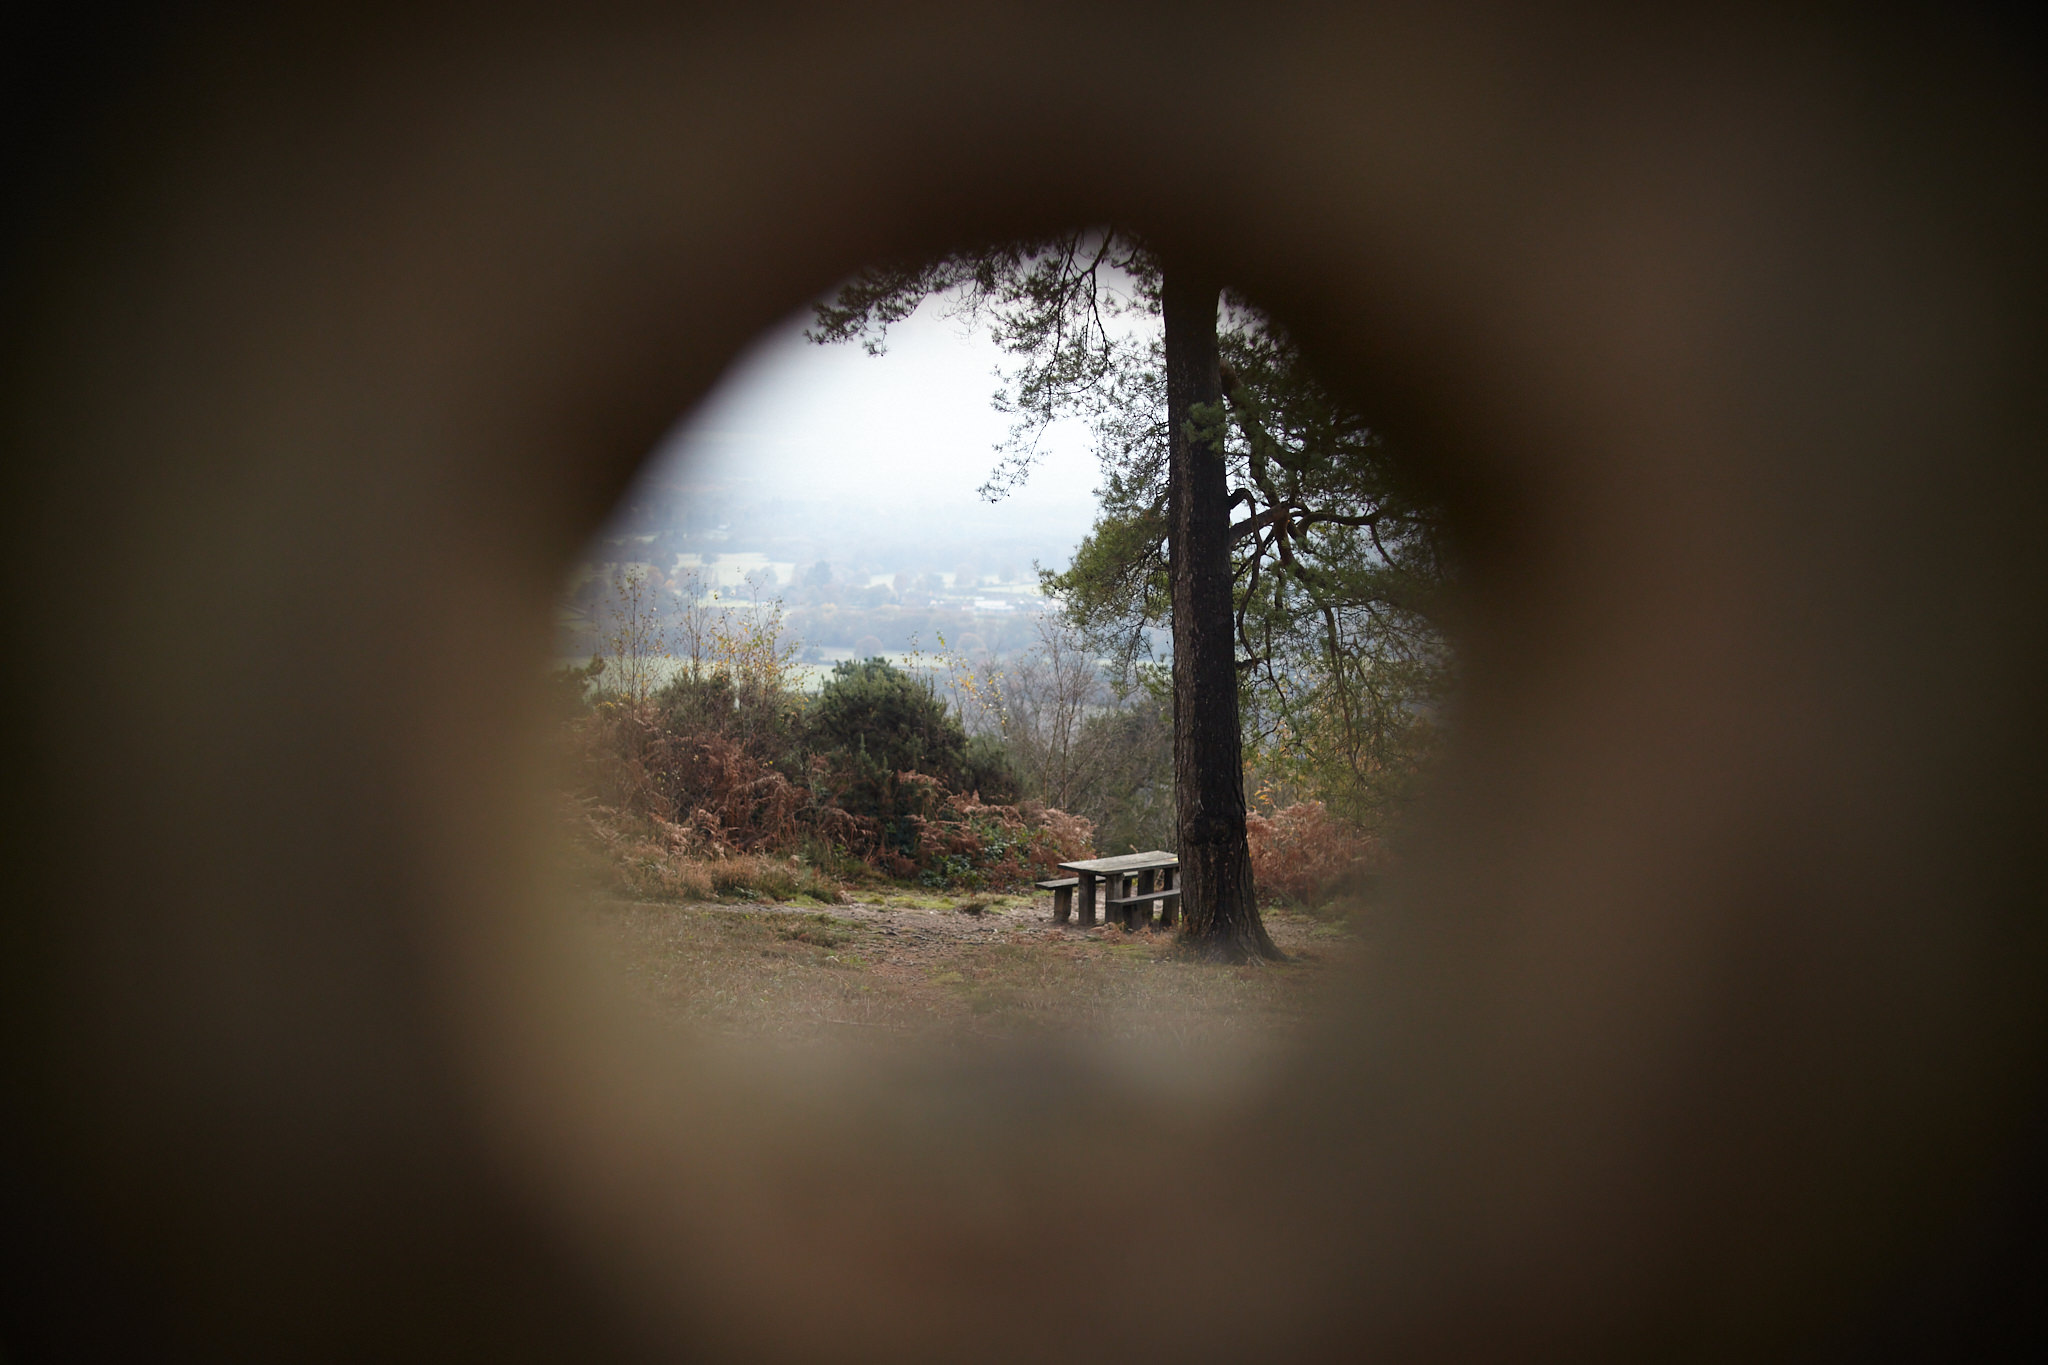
pixel 1220 911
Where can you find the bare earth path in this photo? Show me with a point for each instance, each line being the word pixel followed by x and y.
pixel 956 968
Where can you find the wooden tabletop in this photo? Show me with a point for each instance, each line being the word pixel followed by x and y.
pixel 1125 862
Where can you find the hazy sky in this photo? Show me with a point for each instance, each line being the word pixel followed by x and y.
pixel 909 434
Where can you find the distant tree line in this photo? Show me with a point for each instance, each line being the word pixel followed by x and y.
pixel 822 614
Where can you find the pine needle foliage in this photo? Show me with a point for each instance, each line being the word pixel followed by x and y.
pixel 1339 565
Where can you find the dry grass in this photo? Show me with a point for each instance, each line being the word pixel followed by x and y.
pixel 638 861
pixel 938 968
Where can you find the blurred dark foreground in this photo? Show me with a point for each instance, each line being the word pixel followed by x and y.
pixel 1704 1019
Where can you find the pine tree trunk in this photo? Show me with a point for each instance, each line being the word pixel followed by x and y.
pixel 1220 912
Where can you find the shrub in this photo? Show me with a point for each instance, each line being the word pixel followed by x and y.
pixel 708 784
pixel 1303 854
pixel 767 877
pixel 634 857
pixel 874 720
pixel 702 790
pixel 986 769
pixel 653 859
pixel 962 839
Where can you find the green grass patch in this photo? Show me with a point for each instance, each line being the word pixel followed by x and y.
pixel 912 901
pixel 820 930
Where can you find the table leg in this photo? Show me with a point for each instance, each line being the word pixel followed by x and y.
pixel 1169 910
pixel 1062 903
pixel 1087 890
pixel 1141 913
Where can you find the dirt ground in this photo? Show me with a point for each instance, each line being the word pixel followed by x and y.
pixel 959 968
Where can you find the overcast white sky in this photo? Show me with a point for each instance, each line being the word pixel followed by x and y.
pixel 909 434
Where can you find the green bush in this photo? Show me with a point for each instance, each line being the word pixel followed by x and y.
pixel 767 721
pixel 875 709
pixel 987 768
pixel 873 722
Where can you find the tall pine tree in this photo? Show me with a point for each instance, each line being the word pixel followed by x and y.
pixel 1195 422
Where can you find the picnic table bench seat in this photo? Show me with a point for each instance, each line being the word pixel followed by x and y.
pixel 1062 889
pixel 1136 909
pixel 1141 896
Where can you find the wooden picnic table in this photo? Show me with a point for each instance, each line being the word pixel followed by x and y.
pixel 1155 875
